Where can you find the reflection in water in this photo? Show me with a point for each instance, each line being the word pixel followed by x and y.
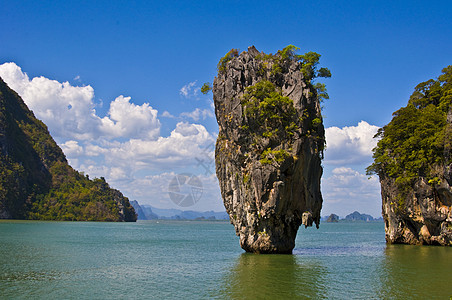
pixel 417 272
pixel 260 276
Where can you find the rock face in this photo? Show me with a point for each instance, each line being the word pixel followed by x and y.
pixel 36 181
pixel 427 214
pixel 269 149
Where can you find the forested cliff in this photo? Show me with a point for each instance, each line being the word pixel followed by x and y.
pixel 413 161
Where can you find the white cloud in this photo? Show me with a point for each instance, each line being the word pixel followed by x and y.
pixel 350 145
pixel 157 186
pixel 198 114
pixel 347 190
pixel 125 146
pixel 72 149
pixel 189 90
pixel 69 111
pixel 166 114
pixel 126 119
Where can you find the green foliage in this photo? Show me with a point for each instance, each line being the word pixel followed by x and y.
pixel 224 60
pixel 309 66
pixel 206 87
pixel 269 156
pixel 74 197
pixel 289 52
pixel 321 91
pixel 265 106
pixel 414 142
pixel 246 178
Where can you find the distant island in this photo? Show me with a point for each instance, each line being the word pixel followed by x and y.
pixel 353 217
pixel 148 212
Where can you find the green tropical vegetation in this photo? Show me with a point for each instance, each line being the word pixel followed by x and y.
pixel 36 182
pixel 265 106
pixel 418 139
pixel 223 61
pixel 206 87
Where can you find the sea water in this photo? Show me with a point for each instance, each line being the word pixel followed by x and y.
pixel 203 260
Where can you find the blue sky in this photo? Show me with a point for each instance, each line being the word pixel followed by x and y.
pixel 159 53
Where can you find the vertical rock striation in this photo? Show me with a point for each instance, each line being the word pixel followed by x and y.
pixel 269 148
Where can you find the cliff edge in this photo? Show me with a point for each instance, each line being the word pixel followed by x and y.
pixel 270 145
pixel 413 161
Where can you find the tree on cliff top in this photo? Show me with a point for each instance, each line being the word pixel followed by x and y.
pixel 417 138
pixel 309 61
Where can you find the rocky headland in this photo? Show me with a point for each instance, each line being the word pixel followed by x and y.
pixel 270 145
pixel 413 161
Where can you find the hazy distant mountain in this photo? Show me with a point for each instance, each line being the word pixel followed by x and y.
pixel 333 218
pixel 356 216
pixel 353 217
pixel 139 210
pixel 177 214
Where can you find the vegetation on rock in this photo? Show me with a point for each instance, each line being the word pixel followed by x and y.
pixel 222 63
pixel 269 147
pixel 415 141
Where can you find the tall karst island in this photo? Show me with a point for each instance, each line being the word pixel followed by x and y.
pixel 414 163
pixel 270 144
pixel 36 181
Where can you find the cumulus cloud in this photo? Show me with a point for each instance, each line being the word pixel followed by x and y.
pixel 156 193
pixel 125 145
pixel 126 119
pixel 350 145
pixel 198 114
pixel 189 90
pixel 166 114
pixel 69 111
pixel 72 149
pixel 347 190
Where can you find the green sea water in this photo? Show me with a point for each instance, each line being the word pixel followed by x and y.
pixel 203 260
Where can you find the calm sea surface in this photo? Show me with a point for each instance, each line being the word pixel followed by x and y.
pixel 203 260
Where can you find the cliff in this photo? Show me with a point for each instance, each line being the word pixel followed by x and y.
pixel 413 161
pixel 36 181
pixel 270 145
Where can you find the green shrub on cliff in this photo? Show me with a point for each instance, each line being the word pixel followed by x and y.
pixel 223 61
pixel 418 138
pixel 265 106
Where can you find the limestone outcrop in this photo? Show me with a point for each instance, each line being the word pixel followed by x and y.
pixel 269 148
pixel 413 161
pixel 426 215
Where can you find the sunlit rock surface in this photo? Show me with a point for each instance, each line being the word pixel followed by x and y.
pixel 269 175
